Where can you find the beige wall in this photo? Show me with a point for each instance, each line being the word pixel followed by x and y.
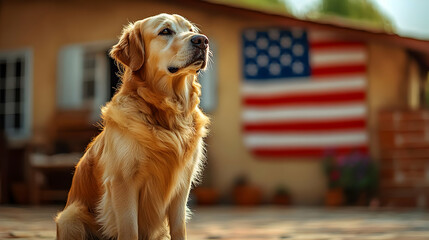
pixel 387 84
pixel 46 27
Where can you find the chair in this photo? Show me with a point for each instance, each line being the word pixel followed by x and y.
pixel 52 159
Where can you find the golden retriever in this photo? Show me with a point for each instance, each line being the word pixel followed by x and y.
pixel 134 179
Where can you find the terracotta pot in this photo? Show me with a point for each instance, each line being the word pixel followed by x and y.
pixel 206 196
pixel 283 200
pixel 247 195
pixel 334 197
pixel 20 193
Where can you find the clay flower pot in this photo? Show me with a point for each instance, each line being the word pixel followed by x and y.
pixel 206 195
pixel 247 195
pixel 283 200
pixel 334 197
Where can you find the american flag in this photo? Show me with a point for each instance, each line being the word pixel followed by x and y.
pixel 304 93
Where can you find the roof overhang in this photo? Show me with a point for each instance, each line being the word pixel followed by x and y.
pixel 416 45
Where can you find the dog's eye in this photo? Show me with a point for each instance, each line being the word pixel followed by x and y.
pixel 166 31
pixel 191 30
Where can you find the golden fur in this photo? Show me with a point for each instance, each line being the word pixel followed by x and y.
pixel 134 178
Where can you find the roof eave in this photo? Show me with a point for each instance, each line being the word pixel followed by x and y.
pixel 366 35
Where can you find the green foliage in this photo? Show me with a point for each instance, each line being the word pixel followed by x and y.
pixel 355 173
pixel 271 6
pixel 281 190
pixel 359 11
pixel 352 171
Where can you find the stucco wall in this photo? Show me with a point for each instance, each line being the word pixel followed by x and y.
pixel 387 84
pixel 46 27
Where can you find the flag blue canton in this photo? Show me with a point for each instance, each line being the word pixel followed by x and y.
pixel 275 54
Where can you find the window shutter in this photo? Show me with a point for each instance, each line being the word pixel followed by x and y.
pixel 70 73
pixel 208 81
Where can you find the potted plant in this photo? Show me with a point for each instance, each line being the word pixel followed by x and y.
pixel 352 178
pixel 281 196
pixel 246 194
pixel 334 194
pixel 359 178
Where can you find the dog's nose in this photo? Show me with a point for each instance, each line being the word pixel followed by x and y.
pixel 200 41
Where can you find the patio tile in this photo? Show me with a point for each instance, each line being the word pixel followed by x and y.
pixel 229 223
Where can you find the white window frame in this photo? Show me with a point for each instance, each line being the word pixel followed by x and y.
pixel 71 77
pixel 24 133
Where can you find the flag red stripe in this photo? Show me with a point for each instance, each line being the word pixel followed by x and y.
pixel 306 152
pixel 335 45
pixel 306 126
pixel 333 59
pixel 316 98
pixel 336 70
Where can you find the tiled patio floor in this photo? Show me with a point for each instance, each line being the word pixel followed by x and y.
pixel 259 223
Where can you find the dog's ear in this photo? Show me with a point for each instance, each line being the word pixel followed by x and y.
pixel 130 49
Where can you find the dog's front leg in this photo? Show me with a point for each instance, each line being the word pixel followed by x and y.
pixel 177 215
pixel 125 205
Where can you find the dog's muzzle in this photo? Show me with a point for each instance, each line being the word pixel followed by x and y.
pixel 200 41
pixel 200 46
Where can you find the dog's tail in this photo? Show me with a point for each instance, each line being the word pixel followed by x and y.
pixel 75 223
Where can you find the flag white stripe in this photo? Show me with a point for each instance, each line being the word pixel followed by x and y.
pixel 306 140
pixel 290 113
pixel 332 58
pixel 327 84
pixel 333 51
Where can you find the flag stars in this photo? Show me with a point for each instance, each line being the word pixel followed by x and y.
pixel 297 33
pixel 251 69
pixel 274 51
pixel 275 69
pixel 285 42
pixel 298 50
pixel 298 67
pixel 262 43
pixel 274 34
pixel 286 59
pixel 251 52
pixel 250 35
pixel 262 60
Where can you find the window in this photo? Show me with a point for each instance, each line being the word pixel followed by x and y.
pixel 88 78
pixel 89 68
pixel 15 90
pixel 208 81
pixel 85 78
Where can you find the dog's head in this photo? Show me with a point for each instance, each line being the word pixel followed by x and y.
pixel 163 44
